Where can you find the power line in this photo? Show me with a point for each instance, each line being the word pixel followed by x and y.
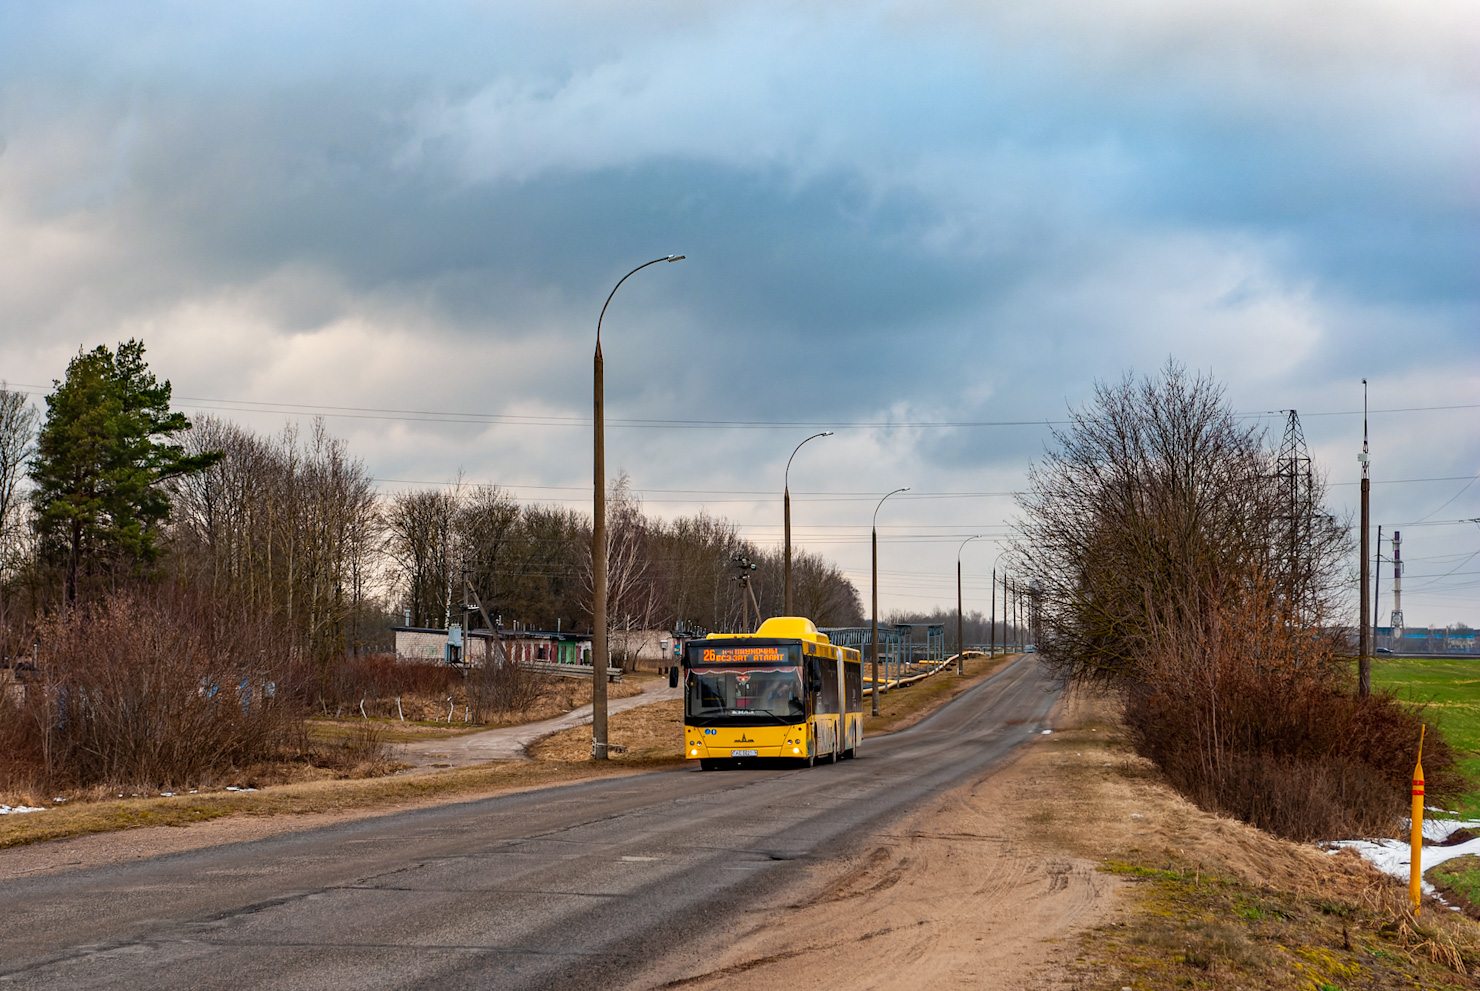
pixel 1461 492
pixel 558 420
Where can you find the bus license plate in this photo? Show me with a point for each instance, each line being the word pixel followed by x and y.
pixel 743 753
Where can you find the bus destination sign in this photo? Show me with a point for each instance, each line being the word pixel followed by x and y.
pixel 744 655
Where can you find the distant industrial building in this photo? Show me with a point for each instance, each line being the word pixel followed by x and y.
pixel 1426 640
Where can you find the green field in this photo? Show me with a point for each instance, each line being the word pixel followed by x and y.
pixel 1451 687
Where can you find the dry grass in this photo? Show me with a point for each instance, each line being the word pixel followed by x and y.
pixel 648 734
pixel 1215 903
pixel 298 799
pixel 428 712
pixel 559 695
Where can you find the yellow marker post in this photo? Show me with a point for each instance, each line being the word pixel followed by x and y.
pixel 1415 836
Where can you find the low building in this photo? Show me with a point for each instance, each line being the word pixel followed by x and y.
pixel 432 646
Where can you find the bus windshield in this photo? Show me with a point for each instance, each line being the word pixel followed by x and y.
pixel 748 691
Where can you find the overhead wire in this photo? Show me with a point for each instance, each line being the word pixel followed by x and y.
pixel 556 419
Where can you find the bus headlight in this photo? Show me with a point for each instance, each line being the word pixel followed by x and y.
pixel 796 750
pixel 693 753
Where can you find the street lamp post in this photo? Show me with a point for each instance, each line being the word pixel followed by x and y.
pixel 600 660
pixel 960 635
pixel 786 511
pixel 874 623
pixel 993 635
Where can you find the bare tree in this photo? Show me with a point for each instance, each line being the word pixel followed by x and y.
pixel 631 591
pixel 1155 503
pixel 18 420
pixel 275 527
pixel 691 557
pixel 820 591
pixel 419 532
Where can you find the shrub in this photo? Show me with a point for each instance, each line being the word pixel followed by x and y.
pixel 381 676
pixel 152 688
pixel 1252 720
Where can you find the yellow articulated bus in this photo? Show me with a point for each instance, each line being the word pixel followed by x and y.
pixel 782 692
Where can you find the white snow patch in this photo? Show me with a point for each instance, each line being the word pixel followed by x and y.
pixel 7 810
pixel 1392 856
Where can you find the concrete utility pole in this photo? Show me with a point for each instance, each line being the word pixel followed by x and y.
pixel 1364 637
pixel 874 620
pixel 992 624
pixel 960 636
pixel 786 503
pixel 600 659
pixel 1006 612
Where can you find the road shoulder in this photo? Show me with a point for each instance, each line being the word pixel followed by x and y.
pixel 966 892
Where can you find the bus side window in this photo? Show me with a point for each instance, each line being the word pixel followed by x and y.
pixel 853 675
pixel 829 700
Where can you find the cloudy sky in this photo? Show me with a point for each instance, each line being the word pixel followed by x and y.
pixel 930 227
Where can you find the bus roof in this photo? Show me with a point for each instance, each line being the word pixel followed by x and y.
pixel 780 628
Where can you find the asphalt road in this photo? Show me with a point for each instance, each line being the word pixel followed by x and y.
pixel 608 884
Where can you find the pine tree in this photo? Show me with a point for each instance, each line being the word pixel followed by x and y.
pixel 101 457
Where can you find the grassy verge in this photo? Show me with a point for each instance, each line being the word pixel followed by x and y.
pixel 1450 686
pixel 1207 902
pixel 1458 880
pixel 1189 928
pixel 303 798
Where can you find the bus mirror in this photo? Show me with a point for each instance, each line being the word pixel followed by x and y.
pixel 673 676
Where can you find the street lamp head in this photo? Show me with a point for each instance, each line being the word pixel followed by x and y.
pixel 825 433
pixel 880 506
pixel 676 258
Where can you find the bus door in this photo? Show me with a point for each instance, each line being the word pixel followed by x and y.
pixel 843 740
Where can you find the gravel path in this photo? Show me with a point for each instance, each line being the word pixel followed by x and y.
pixel 508 742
